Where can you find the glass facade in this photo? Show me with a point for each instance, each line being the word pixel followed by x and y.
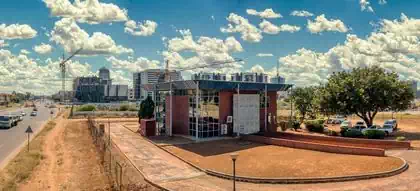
pixel 207 113
pixel 160 112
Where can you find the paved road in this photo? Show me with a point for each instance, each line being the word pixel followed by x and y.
pixel 11 139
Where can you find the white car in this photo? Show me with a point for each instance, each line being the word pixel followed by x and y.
pixel 345 124
pixel 388 129
pixel 391 122
pixel 6 122
pixel 360 125
pixel 22 113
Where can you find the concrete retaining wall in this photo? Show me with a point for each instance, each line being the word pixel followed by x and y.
pixel 356 142
pixel 315 146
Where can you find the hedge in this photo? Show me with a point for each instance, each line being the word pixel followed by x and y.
pixel 353 133
pixel 87 108
pixel 315 125
pixel 374 134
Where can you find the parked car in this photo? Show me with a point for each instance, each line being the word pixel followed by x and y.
pixel 388 129
pixel 345 124
pixel 14 119
pixel 360 125
pixel 6 122
pixel 392 122
pixel 33 113
pixel 371 128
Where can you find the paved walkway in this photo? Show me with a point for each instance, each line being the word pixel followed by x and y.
pixel 174 174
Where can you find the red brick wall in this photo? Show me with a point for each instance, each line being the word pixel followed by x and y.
pixel 315 146
pixel 356 142
pixel 180 115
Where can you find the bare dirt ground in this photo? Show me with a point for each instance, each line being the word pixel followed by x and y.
pixel 274 161
pixel 70 161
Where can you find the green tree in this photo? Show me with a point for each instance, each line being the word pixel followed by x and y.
pixel 365 92
pixel 147 108
pixel 304 99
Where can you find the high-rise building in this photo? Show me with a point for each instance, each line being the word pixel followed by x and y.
pixel 250 77
pixel 150 76
pixel 99 89
pixel 208 76
pixel 278 80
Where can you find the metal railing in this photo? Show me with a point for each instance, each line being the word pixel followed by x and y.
pixel 122 174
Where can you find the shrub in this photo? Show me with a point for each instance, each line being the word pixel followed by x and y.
pixel 87 108
pixel 353 133
pixel 123 108
pixel 332 133
pixel 315 125
pixel 147 108
pixel 293 124
pixel 374 134
pixel 400 138
pixel 343 130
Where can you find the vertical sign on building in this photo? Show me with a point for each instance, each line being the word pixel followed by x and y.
pixel 246 115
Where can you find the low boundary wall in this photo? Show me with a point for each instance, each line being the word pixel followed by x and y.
pixel 315 146
pixel 356 142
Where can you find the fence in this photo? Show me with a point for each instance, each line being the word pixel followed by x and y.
pixel 122 174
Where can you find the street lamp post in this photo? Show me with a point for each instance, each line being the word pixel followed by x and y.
pixel 234 156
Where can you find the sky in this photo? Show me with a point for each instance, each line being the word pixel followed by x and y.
pixel 306 39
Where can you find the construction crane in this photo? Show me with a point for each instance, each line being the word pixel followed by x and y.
pixel 63 72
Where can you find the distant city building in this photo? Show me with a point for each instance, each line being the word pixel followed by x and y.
pixel 5 99
pixel 414 86
pixel 150 76
pixel 99 89
pixel 250 77
pixel 68 95
pixel 105 77
pixel 209 76
pixel 131 94
pixel 278 80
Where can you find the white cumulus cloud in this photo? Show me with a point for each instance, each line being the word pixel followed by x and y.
pixel 3 44
pixel 264 55
pixel 382 2
pixel 43 48
pixel 238 24
pixel 365 6
pixel 68 34
pixel 205 50
pixel 139 64
pixel 87 11
pixel 301 13
pixel 24 51
pixel 16 31
pixel 269 28
pixel 395 46
pixel 266 14
pixel 321 24
pixel 147 28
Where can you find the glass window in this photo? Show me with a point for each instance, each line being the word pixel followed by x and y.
pixel 262 100
pixel 207 113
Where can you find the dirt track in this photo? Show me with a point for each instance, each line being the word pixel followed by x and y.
pixel 70 161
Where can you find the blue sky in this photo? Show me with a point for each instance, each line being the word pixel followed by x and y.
pixel 203 18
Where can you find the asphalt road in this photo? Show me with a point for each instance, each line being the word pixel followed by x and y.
pixel 11 139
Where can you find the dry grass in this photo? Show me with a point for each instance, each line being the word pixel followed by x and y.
pixel 21 167
pixel 259 160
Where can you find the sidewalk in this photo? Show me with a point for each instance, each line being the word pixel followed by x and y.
pixel 173 174
pixel 157 165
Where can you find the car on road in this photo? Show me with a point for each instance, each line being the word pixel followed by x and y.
pixel 33 113
pixel 392 122
pixel 22 113
pixel 360 125
pixel 35 109
pixel 345 124
pixel 6 122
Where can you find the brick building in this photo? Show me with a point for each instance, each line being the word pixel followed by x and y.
pixel 208 108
